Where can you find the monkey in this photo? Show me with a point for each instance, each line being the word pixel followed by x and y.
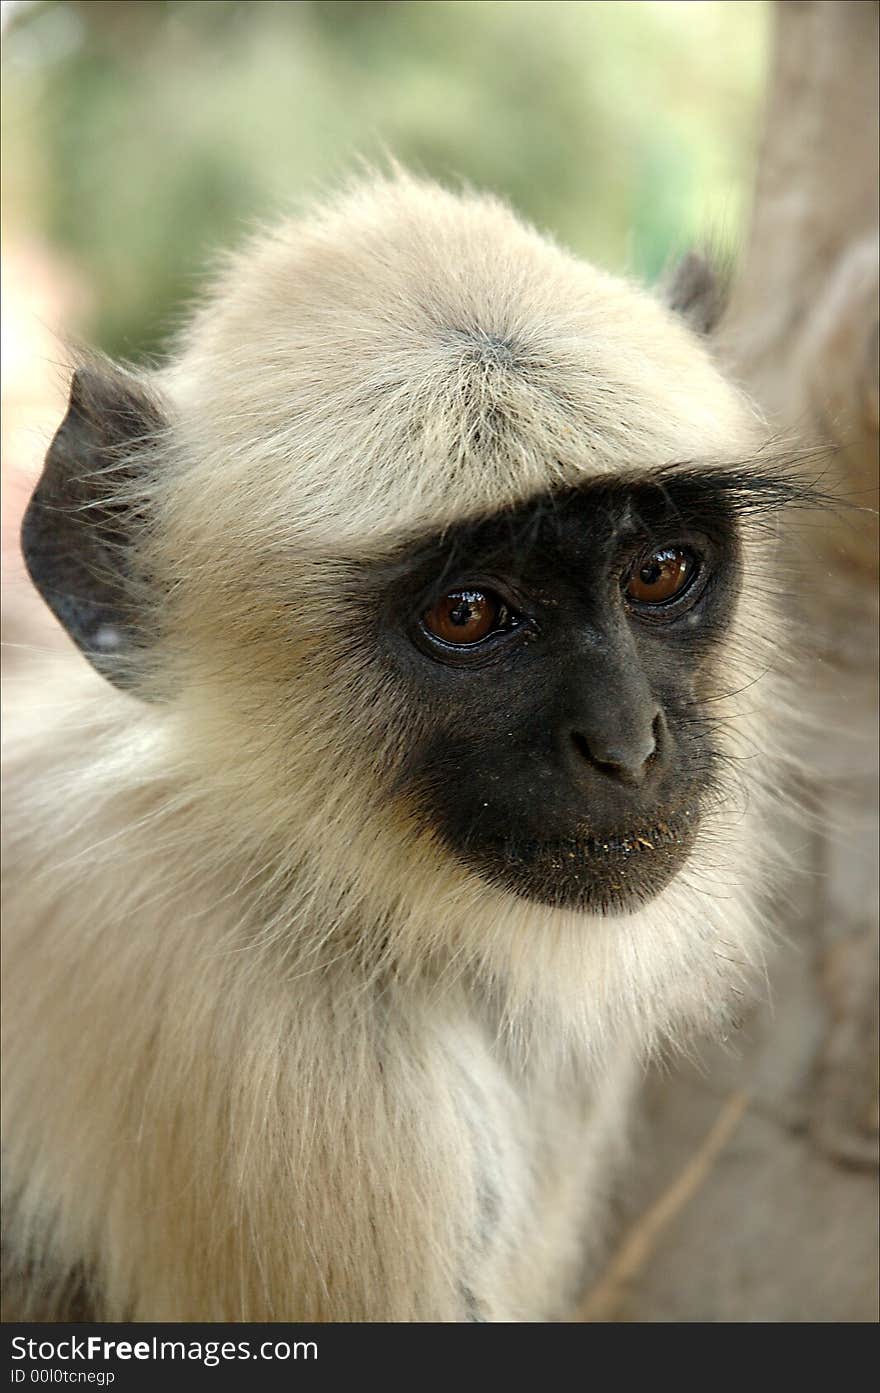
pixel 418 786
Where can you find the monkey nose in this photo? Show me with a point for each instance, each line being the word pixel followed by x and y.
pixel 626 754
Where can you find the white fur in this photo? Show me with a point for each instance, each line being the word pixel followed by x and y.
pixel 271 1054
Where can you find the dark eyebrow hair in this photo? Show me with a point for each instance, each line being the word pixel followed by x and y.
pixel 701 495
pixel 762 486
pixel 751 493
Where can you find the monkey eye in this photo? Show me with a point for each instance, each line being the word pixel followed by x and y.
pixel 660 576
pixel 465 617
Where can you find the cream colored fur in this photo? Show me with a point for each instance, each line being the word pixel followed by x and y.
pixel 271 1054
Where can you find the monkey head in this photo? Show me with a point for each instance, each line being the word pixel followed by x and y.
pixel 438 558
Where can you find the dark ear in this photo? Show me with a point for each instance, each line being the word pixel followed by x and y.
pixel 78 531
pixel 697 290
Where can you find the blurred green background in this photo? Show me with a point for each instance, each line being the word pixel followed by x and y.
pixel 141 137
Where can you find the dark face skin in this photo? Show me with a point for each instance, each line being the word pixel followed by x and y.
pixel 561 649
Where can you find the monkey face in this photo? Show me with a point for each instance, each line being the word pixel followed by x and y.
pixel 560 650
pixel 528 688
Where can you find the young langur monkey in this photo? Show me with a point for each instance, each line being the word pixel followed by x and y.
pixel 409 797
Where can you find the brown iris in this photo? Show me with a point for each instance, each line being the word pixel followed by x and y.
pixel 465 616
pixel 661 576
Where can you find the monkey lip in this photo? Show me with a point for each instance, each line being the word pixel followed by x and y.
pixel 605 873
pixel 658 837
pixel 674 831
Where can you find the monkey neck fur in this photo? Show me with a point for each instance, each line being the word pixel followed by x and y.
pixel 221 883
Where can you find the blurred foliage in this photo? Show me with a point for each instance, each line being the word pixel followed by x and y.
pixel 141 137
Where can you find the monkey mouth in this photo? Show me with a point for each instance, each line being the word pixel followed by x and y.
pixel 659 837
pixel 605 873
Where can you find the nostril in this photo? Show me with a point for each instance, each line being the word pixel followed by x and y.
pixel 580 743
pixel 657 736
pixel 627 759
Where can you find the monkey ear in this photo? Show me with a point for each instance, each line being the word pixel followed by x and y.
pixel 79 526
pixel 697 290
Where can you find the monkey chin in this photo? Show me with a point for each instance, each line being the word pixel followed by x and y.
pixel 614 874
